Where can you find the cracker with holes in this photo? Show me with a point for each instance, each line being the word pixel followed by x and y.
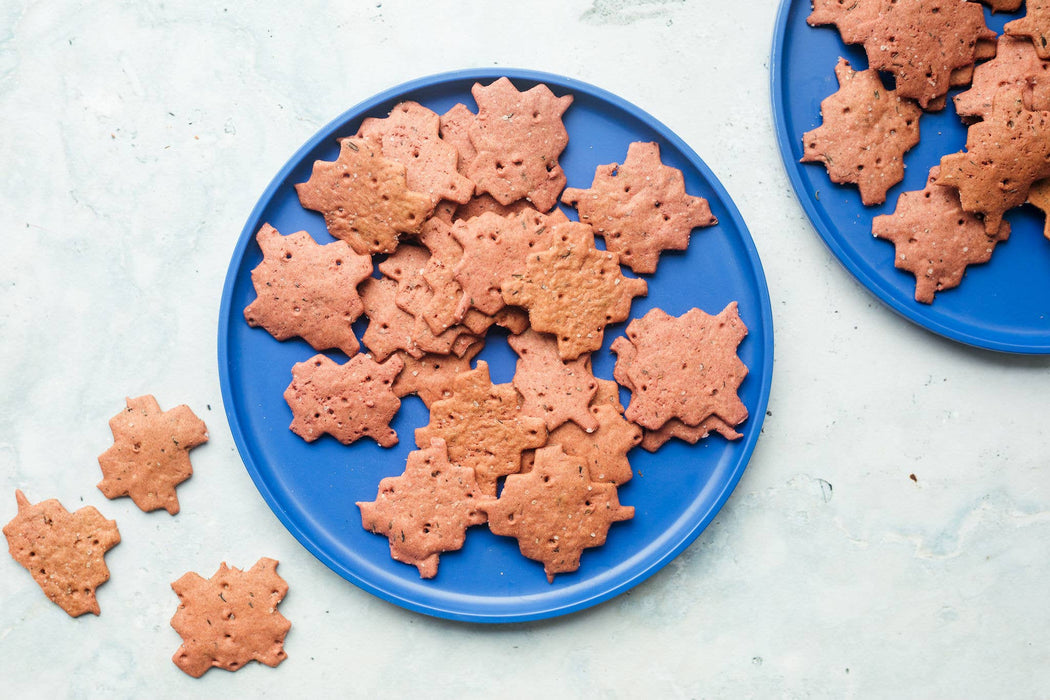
pixel 849 18
pixel 495 248
pixel 553 389
pixel 348 401
pixel 518 137
pixel 935 239
pixel 230 619
pixel 556 511
pixel 483 426
pixel 922 43
pixel 307 290
pixel 410 135
pixel 572 274
pixel 150 453
pixel 1005 154
pixel 1034 26
pixel 640 207
pixel 683 367
pixel 426 511
pixel 865 133
pixel 364 198
pixel 1016 65
pixel 63 551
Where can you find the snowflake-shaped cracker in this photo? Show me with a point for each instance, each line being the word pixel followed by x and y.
pixel 683 367
pixel 849 18
pixel 426 510
pixel 551 388
pixel 308 290
pixel 1035 25
pixel 483 426
pixel 518 137
pixel 230 619
pixel 1017 65
pixel 348 401
pixel 64 552
pixel 922 43
pixel 640 207
pixel 364 198
pixel 572 274
pixel 556 511
pixel 410 135
pixel 150 453
pixel 865 132
pixel 935 239
pixel 495 248
pixel 1005 154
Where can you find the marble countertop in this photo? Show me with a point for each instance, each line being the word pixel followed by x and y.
pixel 888 537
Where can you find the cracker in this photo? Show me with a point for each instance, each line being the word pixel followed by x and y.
pixel 483 426
pixel 63 551
pixel 922 42
pixel 486 203
pixel 865 133
pixel 410 136
pixel 426 511
pixel 150 453
pixel 307 290
pixel 364 198
pixel 1004 155
pixel 230 619
pixel 640 208
pixel 551 388
pixel 1035 25
pixel 934 238
pixel 572 274
pixel 850 18
pixel 348 401
pixel 518 137
pixel 556 511
pixel 495 248
pixel 1016 65
pixel 683 367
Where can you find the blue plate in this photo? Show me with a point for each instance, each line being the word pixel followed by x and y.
pixel 1002 305
pixel 312 488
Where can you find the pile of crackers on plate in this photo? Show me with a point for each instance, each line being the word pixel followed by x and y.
pixel 458 215
pixel 447 225
pixel 929 47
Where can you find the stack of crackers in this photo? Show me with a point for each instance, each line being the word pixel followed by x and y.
pixel 924 49
pixel 445 226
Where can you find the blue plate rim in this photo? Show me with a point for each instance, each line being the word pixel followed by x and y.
pixel 873 283
pixel 539 612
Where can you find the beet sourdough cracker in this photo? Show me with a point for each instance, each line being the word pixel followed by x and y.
pixel 63 551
